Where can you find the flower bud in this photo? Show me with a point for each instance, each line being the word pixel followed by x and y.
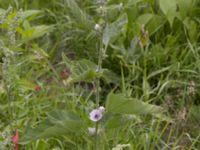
pixel 97 27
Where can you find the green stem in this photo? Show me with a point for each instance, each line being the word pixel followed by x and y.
pixel 96 136
pixel 98 80
pixel 10 112
pixel 9 99
pixel 99 69
pixel 101 52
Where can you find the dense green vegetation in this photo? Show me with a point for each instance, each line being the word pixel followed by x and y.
pixel 99 74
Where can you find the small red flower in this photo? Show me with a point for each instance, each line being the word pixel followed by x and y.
pixel 15 140
pixel 37 88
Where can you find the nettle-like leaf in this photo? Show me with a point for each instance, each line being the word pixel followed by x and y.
pixel 29 33
pixel 82 70
pixel 85 70
pixel 25 85
pixel 58 123
pixel 79 15
pixel 113 30
pixel 30 14
pixel 118 103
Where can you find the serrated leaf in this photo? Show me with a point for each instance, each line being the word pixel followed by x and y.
pixel 29 33
pixel 41 30
pixel 114 29
pixel 83 70
pixel 25 84
pixel 79 15
pixel 30 13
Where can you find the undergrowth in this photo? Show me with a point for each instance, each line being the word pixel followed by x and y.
pixel 102 74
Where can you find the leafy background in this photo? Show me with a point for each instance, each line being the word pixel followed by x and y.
pixel 150 92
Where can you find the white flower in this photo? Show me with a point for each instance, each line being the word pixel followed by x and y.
pixel 91 131
pixel 102 109
pixel 97 114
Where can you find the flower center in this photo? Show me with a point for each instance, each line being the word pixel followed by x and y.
pixel 96 116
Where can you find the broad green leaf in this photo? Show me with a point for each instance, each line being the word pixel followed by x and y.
pixel 155 24
pixel 58 123
pixel 169 7
pixel 41 145
pixel 118 103
pixel 166 6
pixel 114 122
pixel 144 19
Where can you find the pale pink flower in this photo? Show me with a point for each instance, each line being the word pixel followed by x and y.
pixel 97 114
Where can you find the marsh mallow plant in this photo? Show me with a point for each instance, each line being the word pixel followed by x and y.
pixel 134 53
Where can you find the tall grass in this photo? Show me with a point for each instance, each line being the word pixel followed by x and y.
pixel 62 59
